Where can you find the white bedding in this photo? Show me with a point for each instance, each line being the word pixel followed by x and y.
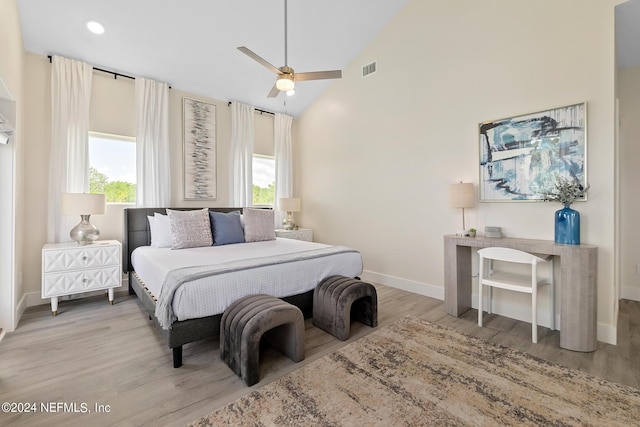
pixel 212 295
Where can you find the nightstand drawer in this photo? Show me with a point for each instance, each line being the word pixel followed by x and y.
pixel 57 284
pixel 80 258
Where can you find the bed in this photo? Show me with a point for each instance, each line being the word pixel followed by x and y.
pixel 186 295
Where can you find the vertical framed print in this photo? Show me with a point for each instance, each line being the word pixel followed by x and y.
pixel 199 150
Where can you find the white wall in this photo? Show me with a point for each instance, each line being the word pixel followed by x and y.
pixel 629 95
pixel 11 158
pixel 374 156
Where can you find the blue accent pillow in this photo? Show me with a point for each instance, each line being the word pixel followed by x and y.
pixel 226 228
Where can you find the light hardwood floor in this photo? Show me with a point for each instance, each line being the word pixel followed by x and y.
pixel 94 353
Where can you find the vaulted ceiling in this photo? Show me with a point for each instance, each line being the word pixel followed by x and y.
pixel 192 44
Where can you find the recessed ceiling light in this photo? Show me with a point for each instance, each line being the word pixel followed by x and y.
pixel 95 27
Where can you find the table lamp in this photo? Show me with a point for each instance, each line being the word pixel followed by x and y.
pixel 462 195
pixel 289 205
pixel 85 205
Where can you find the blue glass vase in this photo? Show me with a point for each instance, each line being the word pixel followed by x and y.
pixel 567 226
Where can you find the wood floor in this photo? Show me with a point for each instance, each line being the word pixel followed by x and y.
pixel 114 357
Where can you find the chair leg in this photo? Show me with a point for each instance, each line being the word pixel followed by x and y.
pixel 480 273
pixel 480 304
pixel 552 297
pixel 534 315
pixel 490 290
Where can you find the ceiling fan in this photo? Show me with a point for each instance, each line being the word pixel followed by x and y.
pixel 286 76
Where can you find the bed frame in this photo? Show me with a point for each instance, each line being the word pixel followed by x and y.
pixel 136 233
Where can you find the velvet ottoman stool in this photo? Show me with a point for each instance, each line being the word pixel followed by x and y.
pixel 337 300
pixel 247 320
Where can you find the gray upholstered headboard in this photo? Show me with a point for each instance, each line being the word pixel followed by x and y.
pixel 135 229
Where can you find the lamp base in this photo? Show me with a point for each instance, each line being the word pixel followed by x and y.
pixel 84 233
pixel 289 223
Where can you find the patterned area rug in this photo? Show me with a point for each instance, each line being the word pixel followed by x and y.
pixel 415 373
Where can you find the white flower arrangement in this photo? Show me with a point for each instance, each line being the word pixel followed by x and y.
pixel 566 191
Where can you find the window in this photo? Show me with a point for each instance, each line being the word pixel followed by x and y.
pixel 264 180
pixel 112 167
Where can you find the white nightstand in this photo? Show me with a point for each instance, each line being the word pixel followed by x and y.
pixel 68 268
pixel 305 234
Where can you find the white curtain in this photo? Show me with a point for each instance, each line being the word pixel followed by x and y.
pixel 69 160
pixel 153 187
pixel 284 161
pixel 242 152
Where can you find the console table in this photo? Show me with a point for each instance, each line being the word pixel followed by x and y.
pixel 578 283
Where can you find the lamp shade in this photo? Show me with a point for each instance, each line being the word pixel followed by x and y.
pixel 289 204
pixel 83 204
pixel 462 195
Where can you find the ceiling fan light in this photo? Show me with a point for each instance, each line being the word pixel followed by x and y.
pixel 285 82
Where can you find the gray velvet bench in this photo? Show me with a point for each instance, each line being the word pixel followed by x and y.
pixel 247 320
pixel 338 300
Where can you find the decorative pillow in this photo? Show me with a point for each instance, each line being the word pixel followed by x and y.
pixel 160 231
pixel 226 227
pixel 190 229
pixel 259 225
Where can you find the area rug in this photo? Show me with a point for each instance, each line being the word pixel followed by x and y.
pixel 415 373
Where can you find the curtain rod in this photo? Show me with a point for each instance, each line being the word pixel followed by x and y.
pixel 115 75
pixel 257 109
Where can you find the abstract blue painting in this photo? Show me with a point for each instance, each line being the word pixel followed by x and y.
pixel 521 157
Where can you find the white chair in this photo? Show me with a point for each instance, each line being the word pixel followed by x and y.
pixel 515 282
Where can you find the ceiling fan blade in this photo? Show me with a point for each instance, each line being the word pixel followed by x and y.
pixel 259 59
pixel 317 75
pixel 274 92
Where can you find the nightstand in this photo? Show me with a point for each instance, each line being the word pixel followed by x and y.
pixel 305 234
pixel 68 268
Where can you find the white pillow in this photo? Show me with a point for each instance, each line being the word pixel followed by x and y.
pixel 160 231
pixel 259 225
pixel 190 229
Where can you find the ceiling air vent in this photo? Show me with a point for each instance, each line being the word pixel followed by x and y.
pixel 369 69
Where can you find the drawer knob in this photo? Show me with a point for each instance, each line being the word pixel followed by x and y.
pixel 84 258
pixel 84 280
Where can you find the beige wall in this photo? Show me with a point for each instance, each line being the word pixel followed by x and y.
pixel 629 95
pixel 375 156
pixel 11 159
pixel 112 111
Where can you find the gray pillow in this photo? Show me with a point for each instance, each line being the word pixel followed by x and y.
pixel 259 225
pixel 190 229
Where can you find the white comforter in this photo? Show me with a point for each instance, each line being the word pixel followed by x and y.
pixel 211 295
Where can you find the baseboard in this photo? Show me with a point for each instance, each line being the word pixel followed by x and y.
pixel 20 308
pixel 630 293
pixel 404 284
pixel 605 333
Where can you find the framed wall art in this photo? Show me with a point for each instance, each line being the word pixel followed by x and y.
pixel 199 150
pixel 521 157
